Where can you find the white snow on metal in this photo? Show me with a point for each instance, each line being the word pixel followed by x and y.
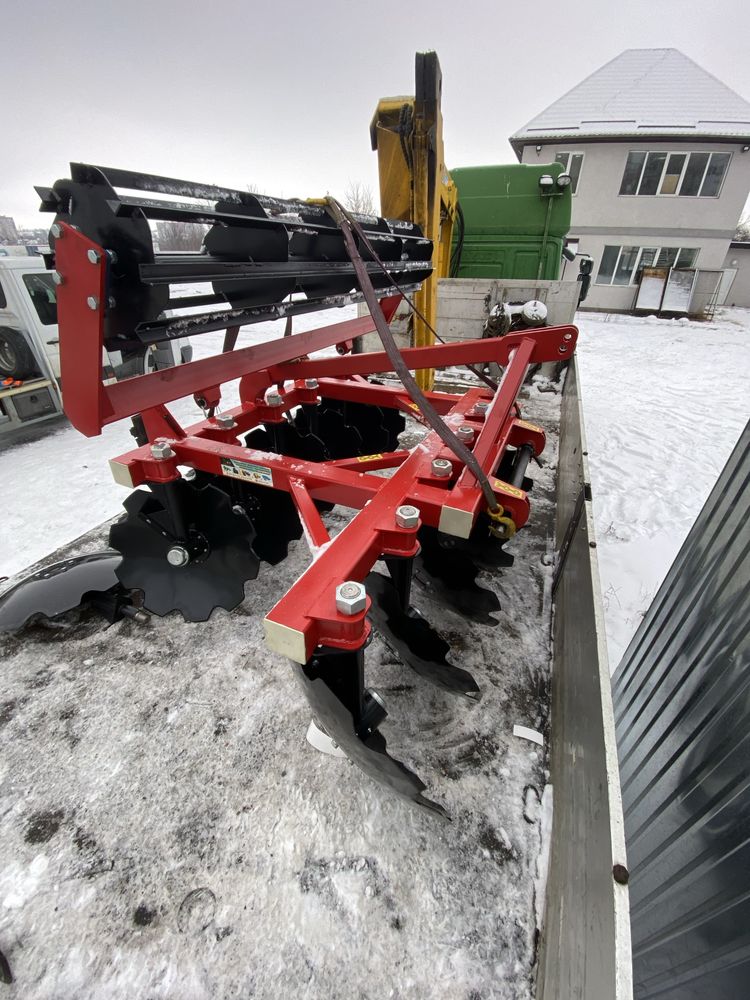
pixel 643 92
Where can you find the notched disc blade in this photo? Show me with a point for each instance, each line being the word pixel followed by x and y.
pixel 58 588
pixel 414 640
pixel 333 699
pixel 215 579
pixel 451 573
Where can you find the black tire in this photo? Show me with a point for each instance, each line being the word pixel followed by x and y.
pixel 16 359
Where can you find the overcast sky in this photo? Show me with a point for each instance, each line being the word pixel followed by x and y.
pixel 279 95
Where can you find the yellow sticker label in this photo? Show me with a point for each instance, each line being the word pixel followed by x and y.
pixel 412 406
pixel 528 426
pixel 511 491
pixel 368 458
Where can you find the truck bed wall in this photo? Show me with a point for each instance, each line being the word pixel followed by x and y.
pixel 585 949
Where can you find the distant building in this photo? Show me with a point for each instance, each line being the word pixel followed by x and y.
pixel 8 231
pixel 659 154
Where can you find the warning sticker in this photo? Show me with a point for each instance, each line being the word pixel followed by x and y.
pixel 368 458
pixel 528 426
pixel 259 474
pixel 511 491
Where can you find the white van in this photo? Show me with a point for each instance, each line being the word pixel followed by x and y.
pixel 30 345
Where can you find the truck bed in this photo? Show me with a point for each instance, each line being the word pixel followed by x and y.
pixel 168 832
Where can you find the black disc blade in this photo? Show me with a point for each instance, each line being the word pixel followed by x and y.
pixel 58 588
pixel 451 573
pixel 417 644
pixel 215 578
pixel 333 684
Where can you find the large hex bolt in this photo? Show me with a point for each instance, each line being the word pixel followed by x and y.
pixel 226 421
pixel 178 556
pixel 407 516
pixel 274 398
pixel 441 468
pixel 311 383
pixel 161 450
pixel 465 433
pixel 351 598
pixel 94 256
pixel 481 407
pixel 92 302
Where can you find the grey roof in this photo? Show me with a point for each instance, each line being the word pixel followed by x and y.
pixel 642 92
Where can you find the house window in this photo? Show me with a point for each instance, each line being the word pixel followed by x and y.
pixel 692 174
pixel 571 164
pixel 622 265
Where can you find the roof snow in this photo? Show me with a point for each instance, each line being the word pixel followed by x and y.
pixel 642 92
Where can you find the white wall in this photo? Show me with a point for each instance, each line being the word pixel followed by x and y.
pixel 601 216
pixel 738 258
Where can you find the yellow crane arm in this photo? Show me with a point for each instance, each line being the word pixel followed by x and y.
pixel 407 133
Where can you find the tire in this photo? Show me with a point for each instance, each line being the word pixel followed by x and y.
pixel 16 358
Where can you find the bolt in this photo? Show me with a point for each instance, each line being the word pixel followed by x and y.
pixel 441 468
pixel 92 302
pixel 94 256
pixel 178 556
pixel 226 420
pixel 274 398
pixel 111 302
pixel 189 475
pixel 238 509
pixel 58 278
pixel 161 450
pixel 407 516
pixel 56 231
pixel 482 406
pixel 351 598
pixel 465 433
pixel 311 383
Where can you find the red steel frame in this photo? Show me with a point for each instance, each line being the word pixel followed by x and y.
pixel 306 616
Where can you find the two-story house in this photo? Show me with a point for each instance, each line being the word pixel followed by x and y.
pixel 659 155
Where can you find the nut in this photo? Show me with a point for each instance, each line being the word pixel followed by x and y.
pixel 407 516
pixel 94 256
pixel 161 450
pixel 311 383
pixel 274 398
pixel 465 433
pixel 351 598
pixel 178 555
pixel 441 468
pixel 57 278
pixel 226 420
pixel 482 406
pixel 92 302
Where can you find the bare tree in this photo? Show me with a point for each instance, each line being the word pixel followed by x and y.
pixel 180 235
pixel 359 198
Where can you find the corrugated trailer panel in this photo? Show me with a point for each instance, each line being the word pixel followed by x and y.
pixel 682 709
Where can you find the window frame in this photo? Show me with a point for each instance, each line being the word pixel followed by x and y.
pixel 669 153
pixel 638 266
pixel 566 167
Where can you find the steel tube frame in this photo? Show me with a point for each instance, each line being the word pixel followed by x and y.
pixel 307 617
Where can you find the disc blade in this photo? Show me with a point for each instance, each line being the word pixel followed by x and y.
pixel 333 686
pixel 58 588
pixel 215 578
pixel 451 573
pixel 414 640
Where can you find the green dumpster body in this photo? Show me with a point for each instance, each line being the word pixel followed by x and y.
pixel 505 217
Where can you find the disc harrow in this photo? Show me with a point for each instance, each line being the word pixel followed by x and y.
pixel 308 433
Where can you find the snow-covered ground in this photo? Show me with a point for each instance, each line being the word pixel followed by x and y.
pixel 664 404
